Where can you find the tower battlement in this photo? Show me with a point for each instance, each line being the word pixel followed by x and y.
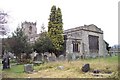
pixel 28 23
pixel 29 28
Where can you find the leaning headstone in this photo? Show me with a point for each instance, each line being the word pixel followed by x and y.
pixel 28 68
pixel 86 68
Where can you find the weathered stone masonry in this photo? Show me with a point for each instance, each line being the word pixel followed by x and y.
pixel 85 40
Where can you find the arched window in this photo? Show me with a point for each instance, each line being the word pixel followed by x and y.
pixel 30 29
pixel 76 46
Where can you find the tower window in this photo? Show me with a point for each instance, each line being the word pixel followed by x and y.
pixel 30 28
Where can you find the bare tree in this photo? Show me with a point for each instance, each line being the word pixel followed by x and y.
pixel 42 28
pixel 3 23
pixel 4 30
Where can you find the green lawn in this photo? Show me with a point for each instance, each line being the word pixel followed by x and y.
pixel 71 69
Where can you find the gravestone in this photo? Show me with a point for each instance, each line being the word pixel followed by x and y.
pixel 61 58
pixel 45 58
pixel 77 56
pixel 52 58
pixel 33 55
pixel 38 57
pixel 86 68
pixel 73 56
pixel 69 57
pixel 28 68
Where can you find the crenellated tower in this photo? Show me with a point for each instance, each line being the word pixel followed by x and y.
pixel 29 28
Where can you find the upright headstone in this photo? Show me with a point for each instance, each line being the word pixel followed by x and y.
pixel 61 58
pixel 69 56
pixel 45 58
pixel 28 68
pixel 33 55
pixel 73 57
pixel 38 57
pixel 51 58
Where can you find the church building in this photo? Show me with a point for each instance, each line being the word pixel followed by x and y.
pixel 84 40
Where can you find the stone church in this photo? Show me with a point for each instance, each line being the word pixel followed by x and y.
pixel 84 40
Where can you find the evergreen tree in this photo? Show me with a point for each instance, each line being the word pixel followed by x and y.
pixel 55 29
pixel 18 44
pixel 52 18
pixel 43 44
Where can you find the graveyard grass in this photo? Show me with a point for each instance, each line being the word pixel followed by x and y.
pixel 71 69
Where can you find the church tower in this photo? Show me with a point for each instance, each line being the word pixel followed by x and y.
pixel 29 28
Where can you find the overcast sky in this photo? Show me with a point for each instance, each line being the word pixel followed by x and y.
pixel 102 13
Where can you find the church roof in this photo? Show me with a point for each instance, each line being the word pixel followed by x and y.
pixel 90 28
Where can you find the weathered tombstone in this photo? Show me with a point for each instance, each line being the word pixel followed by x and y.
pixel 45 58
pixel 52 58
pixel 28 68
pixel 38 57
pixel 73 57
pixel 69 56
pixel 83 56
pixel 61 58
pixel 86 68
pixel 77 56
pixel 33 55
pixel 93 55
